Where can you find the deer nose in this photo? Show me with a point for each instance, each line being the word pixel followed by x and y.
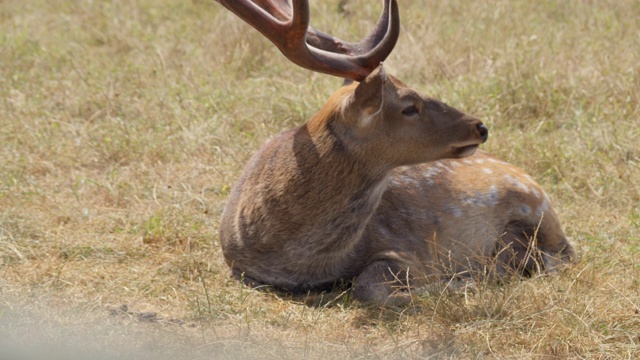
pixel 483 130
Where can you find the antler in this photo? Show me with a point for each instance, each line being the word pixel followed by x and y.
pixel 288 28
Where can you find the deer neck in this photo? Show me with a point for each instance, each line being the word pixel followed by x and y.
pixel 339 192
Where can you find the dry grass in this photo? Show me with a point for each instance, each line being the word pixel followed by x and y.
pixel 123 124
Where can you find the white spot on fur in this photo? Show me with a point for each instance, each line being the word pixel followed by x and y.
pixel 483 199
pixel 432 171
pixel 453 210
pixel 487 171
pixel 445 167
pixel 525 209
pixel 544 206
pixel 408 180
pixel 479 161
pixel 455 164
pixel 468 162
pixel 494 195
pixel 535 192
pixel 517 183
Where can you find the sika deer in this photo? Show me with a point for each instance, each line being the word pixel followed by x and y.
pixel 383 186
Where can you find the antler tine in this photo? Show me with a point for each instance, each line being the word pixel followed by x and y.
pixel 288 28
pixel 382 26
pixel 375 48
pixel 331 43
pixel 254 15
pixel 281 10
pixel 278 8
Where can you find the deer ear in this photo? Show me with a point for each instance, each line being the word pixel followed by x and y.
pixel 368 97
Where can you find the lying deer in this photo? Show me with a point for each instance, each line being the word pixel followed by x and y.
pixel 382 187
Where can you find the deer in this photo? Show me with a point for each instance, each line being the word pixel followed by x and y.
pixel 384 188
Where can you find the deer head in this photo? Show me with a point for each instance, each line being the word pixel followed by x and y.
pixel 383 118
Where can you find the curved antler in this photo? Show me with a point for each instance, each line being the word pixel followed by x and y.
pixel 288 28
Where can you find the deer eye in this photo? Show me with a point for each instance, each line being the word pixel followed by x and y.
pixel 410 110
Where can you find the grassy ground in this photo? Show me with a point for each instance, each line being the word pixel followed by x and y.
pixel 123 125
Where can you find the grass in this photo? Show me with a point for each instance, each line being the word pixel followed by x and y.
pixel 123 126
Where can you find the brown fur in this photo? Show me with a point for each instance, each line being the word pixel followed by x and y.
pixel 364 191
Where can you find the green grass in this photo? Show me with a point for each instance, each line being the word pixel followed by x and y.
pixel 123 126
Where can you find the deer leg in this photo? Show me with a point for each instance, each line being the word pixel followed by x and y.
pixel 554 247
pixel 382 282
pixel 516 252
pixel 527 249
pixel 245 279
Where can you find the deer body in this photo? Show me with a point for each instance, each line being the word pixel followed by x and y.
pixel 348 196
pixel 383 186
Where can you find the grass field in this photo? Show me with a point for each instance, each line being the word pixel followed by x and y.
pixel 124 124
